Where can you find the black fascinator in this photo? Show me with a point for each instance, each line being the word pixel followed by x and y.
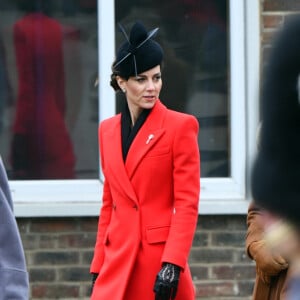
pixel 138 53
pixel 276 170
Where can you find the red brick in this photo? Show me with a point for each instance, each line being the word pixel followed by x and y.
pixel 89 224
pixel 76 240
pixel 281 5
pixel 272 21
pixel 233 272
pixel 54 226
pixel 55 291
pixel 213 289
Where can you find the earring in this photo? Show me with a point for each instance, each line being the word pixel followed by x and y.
pixel 124 91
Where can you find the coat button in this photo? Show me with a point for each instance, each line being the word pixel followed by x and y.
pixel 114 206
pixel 135 207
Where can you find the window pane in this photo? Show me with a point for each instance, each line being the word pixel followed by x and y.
pixel 194 35
pixel 48 99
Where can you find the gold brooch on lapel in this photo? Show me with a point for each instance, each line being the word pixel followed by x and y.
pixel 150 137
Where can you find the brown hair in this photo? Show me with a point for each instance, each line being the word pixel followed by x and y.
pixel 113 77
pixel 114 83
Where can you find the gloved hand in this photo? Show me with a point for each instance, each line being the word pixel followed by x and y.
pixel 95 275
pixel 268 263
pixel 166 283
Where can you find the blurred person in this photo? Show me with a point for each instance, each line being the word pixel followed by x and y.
pixel 41 146
pixel 271 267
pixel 283 236
pixel 14 283
pixel 151 164
pixel 276 170
pixel 5 86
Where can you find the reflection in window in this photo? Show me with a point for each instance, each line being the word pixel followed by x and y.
pixel 49 104
pixel 194 35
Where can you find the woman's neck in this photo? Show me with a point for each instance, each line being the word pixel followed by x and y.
pixel 134 114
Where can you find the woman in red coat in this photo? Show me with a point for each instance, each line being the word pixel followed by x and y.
pixel 150 160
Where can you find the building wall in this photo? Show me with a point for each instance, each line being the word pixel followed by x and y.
pixel 59 250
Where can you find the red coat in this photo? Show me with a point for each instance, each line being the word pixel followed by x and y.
pixel 150 205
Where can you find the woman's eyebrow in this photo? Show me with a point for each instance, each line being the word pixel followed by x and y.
pixel 145 76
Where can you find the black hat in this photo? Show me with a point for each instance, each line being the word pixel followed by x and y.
pixel 276 170
pixel 138 53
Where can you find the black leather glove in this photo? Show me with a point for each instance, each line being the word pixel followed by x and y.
pixel 95 275
pixel 166 283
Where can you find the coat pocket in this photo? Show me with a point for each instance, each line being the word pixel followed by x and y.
pixel 158 151
pixel 157 234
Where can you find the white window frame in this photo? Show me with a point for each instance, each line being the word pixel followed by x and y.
pixel 230 195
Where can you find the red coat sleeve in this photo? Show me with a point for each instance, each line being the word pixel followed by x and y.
pixel 186 178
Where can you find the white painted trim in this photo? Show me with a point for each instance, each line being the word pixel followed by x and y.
pixel 253 63
pixel 237 93
pixel 63 198
pixel 106 31
pixel 106 34
pixel 56 197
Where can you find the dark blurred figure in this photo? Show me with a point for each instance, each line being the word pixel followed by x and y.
pixel 5 87
pixel 271 266
pixel 276 170
pixel 41 146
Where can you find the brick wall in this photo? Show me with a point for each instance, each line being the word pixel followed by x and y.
pixel 58 253
pixel 273 14
pixel 59 250
pixel 219 265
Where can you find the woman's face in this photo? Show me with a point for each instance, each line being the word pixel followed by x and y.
pixel 142 91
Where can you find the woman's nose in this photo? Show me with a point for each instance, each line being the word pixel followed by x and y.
pixel 150 85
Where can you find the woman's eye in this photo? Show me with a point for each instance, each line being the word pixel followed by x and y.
pixel 157 78
pixel 140 79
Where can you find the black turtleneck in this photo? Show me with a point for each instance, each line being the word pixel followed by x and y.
pixel 127 131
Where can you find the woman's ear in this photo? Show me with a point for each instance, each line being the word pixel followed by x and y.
pixel 120 82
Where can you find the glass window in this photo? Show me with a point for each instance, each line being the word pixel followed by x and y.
pixel 50 106
pixel 196 72
pixel 48 95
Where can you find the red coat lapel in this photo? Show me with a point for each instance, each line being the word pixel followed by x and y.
pixel 114 165
pixel 146 138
